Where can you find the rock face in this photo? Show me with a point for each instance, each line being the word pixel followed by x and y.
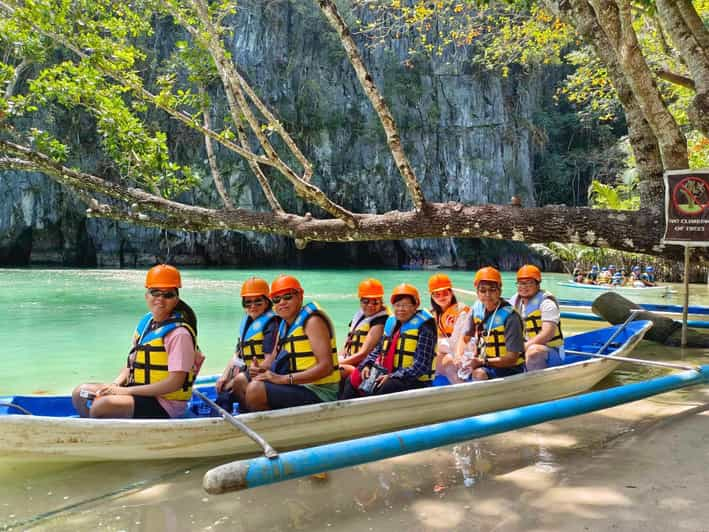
pixel 467 134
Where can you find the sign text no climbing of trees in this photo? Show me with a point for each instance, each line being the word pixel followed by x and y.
pixel 687 207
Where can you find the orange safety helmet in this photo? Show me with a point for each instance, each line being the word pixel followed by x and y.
pixel 370 288
pixel 489 274
pixel 529 271
pixel 255 286
pixel 163 276
pixel 439 281
pixel 283 283
pixel 405 290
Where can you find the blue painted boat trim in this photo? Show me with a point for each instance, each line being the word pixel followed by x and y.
pixel 580 316
pixel 262 471
pixel 692 309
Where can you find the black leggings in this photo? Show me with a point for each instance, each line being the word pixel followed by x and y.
pixel 393 384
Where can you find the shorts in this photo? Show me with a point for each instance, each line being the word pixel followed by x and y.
pixel 496 373
pixel 148 408
pixel 287 395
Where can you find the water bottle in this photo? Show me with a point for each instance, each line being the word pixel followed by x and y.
pixel 466 369
pixel 235 409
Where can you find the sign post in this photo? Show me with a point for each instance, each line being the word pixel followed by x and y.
pixel 686 219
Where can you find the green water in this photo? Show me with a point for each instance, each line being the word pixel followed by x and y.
pixel 64 327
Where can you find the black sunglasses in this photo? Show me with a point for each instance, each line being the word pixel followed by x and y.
pixel 249 302
pixel 367 301
pixel 284 297
pixel 169 294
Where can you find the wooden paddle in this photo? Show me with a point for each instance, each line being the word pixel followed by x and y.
pixel 268 451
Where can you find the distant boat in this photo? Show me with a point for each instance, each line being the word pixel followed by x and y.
pixel 629 290
pixel 420 266
pixel 54 432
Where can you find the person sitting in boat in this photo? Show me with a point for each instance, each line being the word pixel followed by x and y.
pixel 648 277
pixel 404 358
pixel 366 327
pixel 604 277
pixel 496 332
pixel 618 279
pixel 302 369
pixel 257 338
pixel 162 365
pixel 543 339
pixel 450 315
pixel 634 279
pixel 592 277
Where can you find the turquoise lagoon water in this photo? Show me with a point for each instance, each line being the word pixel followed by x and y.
pixel 63 327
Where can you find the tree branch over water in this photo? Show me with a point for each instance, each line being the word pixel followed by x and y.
pixel 107 75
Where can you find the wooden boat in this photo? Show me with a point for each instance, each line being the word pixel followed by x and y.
pixel 697 316
pixel 55 433
pixel 627 290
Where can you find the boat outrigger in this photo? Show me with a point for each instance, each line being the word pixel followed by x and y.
pixel 698 316
pixel 54 432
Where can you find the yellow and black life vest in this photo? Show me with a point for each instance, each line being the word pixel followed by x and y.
pixel 532 317
pixel 251 336
pixel 445 323
pixel 407 341
pixel 491 327
pixel 359 329
pixel 294 344
pixel 148 359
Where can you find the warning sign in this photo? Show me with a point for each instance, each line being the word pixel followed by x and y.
pixel 687 207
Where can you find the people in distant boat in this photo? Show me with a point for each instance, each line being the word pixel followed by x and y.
pixel 404 358
pixel 493 345
pixel 604 277
pixel 366 327
pixel 162 364
pixel 302 369
pixel 634 279
pixel 543 339
pixel 257 338
pixel 450 315
pixel 618 279
pixel 648 277
pixel 592 276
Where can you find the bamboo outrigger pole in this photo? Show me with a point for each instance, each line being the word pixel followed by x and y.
pixel 245 474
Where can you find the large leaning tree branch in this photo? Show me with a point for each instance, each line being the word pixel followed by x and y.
pixel 387 119
pixel 593 227
pixel 208 35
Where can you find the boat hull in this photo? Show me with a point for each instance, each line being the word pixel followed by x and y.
pixel 629 290
pixel 41 438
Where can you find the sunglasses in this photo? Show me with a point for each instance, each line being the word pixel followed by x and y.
pixel 284 297
pixel 368 301
pixel 251 302
pixel 442 293
pixel 154 292
pixel 485 291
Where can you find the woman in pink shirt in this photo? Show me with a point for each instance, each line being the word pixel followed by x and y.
pixel 162 365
